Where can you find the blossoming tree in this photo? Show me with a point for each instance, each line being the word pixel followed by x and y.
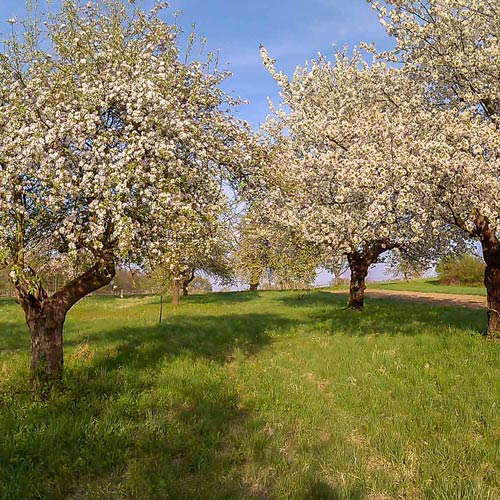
pixel 205 249
pixel 453 47
pixel 112 143
pixel 348 149
pixel 252 255
pixel 266 246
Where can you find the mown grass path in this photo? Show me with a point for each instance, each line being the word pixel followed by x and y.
pixel 255 396
pixel 445 299
pixel 429 285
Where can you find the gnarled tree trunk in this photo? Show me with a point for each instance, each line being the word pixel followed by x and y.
pixel 491 254
pixel 45 315
pixel 492 283
pixel 46 322
pixel 359 264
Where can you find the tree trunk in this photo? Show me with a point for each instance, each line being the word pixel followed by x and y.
pixel 492 283
pixel 254 287
pixel 46 328
pixel 175 294
pixel 359 266
pixel 186 283
pixel 45 315
pixel 491 255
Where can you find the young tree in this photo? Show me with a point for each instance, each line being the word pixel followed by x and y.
pixel 453 47
pixel 402 266
pixel 111 145
pixel 205 249
pixel 337 266
pixel 347 147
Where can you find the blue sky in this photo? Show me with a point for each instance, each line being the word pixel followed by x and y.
pixel 293 31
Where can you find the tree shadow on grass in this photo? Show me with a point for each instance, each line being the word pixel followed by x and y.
pixel 386 316
pixel 212 337
pixel 148 412
pixel 225 298
pixel 13 336
pixel 320 490
pixel 178 440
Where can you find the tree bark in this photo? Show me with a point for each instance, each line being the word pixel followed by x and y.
pixel 359 266
pixel 46 329
pixel 45 315
pixel 175 294
pixel 491 254
pixel 492 283
pixel 186 283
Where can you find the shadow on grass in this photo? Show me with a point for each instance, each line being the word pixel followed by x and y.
pixel 175 441
pixel 149 413
pixel 212 337
pixel 13 329
pixel 386 316
pixel 13 336
pixel 226 298
pixel 320 490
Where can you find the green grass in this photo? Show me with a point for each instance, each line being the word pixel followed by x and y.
pixel 429 285
pixel 255 396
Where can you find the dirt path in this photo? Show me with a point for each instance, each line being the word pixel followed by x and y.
pixel 445 299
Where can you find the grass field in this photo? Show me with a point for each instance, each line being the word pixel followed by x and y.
pixel 429 285
pixel 255 396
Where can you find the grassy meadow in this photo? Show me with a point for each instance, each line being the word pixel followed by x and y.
pixel 428 285
pixel 261 395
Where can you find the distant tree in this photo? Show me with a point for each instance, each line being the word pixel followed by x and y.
pixel 269 249
pixel 253 253
pixel 201 285
pixel 402 266
pixel 464 269
pixel 294 260
pixel 213 264
pixel 337 266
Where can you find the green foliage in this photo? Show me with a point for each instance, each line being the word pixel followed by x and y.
pixel 462 269
pixel 255 396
